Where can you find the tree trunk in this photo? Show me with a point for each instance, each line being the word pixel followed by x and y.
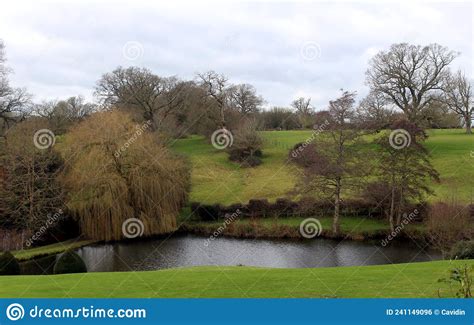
pixel 150 118
pixel 392 210
pixel 337 208
pixel 222 117
pixel 399 208
pixel 467 120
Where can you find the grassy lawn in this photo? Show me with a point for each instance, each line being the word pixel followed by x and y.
pixel 216 180
pixel 50 249
pixel 396 280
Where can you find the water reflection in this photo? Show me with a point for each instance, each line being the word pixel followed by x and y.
pixel 191 251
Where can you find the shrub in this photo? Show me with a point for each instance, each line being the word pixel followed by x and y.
pixel 448 223
pixel 206 212
pixel 461 277
pixel 233 208
pixel 41 265
pixel 246 148
pixel 9 264
pixel 69 262
pixel 357 207
pixel 194 207
pixel 284 207
pixel 258 207
pixel 463 250
pixel 251 161
pixel 471 210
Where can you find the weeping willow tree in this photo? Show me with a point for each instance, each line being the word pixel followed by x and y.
pixel 115 170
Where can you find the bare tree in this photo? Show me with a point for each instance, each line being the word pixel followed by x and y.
pixel 304 110
pixel 14 102
pixel 447 224
pixel 374 112
pixel 244 99
pixel 410 75
pixel 139 88
pixel 30 190
pixel 64 113
pixel 217 88
pixel 78 108
pixel 333 162
pixel 459 98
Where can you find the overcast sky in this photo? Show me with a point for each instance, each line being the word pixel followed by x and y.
pixel 285 49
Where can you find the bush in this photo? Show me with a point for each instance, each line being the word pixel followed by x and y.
pixel 233 208
pixel 194 207
pixel 246 148
pixel 448 223
pixel 471 210
pixel 69 262
pixel 206 212
pixel 284 207
pixel 463 250
pixel 306 206
pixel 258 208
pixel 41 265
pixel 251 161
pixel 9 264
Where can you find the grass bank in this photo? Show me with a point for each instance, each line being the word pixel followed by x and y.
pixel 413 280
pixel 355 228
pixel 46 250
pixel 217 180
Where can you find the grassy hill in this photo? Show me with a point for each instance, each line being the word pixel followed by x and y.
pixel 396 280
pixel 217 180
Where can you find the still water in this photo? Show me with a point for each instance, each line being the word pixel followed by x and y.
pixel 190 250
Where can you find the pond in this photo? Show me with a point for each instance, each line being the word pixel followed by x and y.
pixel 190 250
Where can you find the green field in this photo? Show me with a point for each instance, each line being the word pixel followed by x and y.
pixel 216 180
pixel 397 280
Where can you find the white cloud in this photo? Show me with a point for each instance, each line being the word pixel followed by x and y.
pixel 60 48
